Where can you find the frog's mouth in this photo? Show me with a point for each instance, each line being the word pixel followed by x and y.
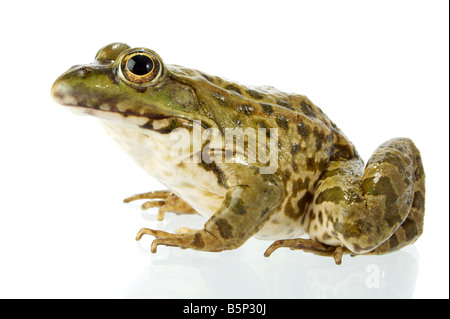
pixel 81 104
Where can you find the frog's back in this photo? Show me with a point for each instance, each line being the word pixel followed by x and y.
pixel 307 139
pixel 232 104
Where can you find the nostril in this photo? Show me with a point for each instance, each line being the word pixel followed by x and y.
pixel 85 71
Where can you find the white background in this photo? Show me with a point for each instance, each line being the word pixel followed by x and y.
pixel 379 69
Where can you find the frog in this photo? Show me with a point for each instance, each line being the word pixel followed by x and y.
pixel 320 197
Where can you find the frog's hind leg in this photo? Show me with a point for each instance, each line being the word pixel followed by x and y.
pixel 310 246
pixel 165 200
pixel 412 227
pixel 374 210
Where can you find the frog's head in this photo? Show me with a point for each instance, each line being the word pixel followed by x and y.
pixel 130 85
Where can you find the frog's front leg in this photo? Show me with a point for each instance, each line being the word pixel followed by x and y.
pixel 250 200
pixel 374 210
pixel 165 200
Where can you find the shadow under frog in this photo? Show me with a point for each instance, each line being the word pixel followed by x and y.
pixel 244 273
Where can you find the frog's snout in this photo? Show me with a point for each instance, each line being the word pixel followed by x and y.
pixel 60 94
pixel 59 91
pixel 62 91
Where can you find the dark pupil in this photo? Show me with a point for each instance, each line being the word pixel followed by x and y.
pixel 140 64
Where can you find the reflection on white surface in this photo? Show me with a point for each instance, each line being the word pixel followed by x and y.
pixel 245 273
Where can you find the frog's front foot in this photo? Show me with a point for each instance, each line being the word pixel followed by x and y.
pixel 184 238
pixel 247 205
pixel 165 200
pixel 310 246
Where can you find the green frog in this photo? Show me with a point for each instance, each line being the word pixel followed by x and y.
pixel 315 194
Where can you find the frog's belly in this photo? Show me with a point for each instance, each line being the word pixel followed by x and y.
pixel 152 151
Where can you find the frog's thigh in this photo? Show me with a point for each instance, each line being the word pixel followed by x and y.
pixel 412 227
pixel 362 210
pixel 246 207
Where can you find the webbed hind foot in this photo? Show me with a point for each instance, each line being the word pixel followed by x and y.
pixel 309 246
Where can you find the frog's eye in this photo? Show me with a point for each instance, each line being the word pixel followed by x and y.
pixel 140 67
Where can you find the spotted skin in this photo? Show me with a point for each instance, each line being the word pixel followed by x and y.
pixel 374 210
pixel 320 186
